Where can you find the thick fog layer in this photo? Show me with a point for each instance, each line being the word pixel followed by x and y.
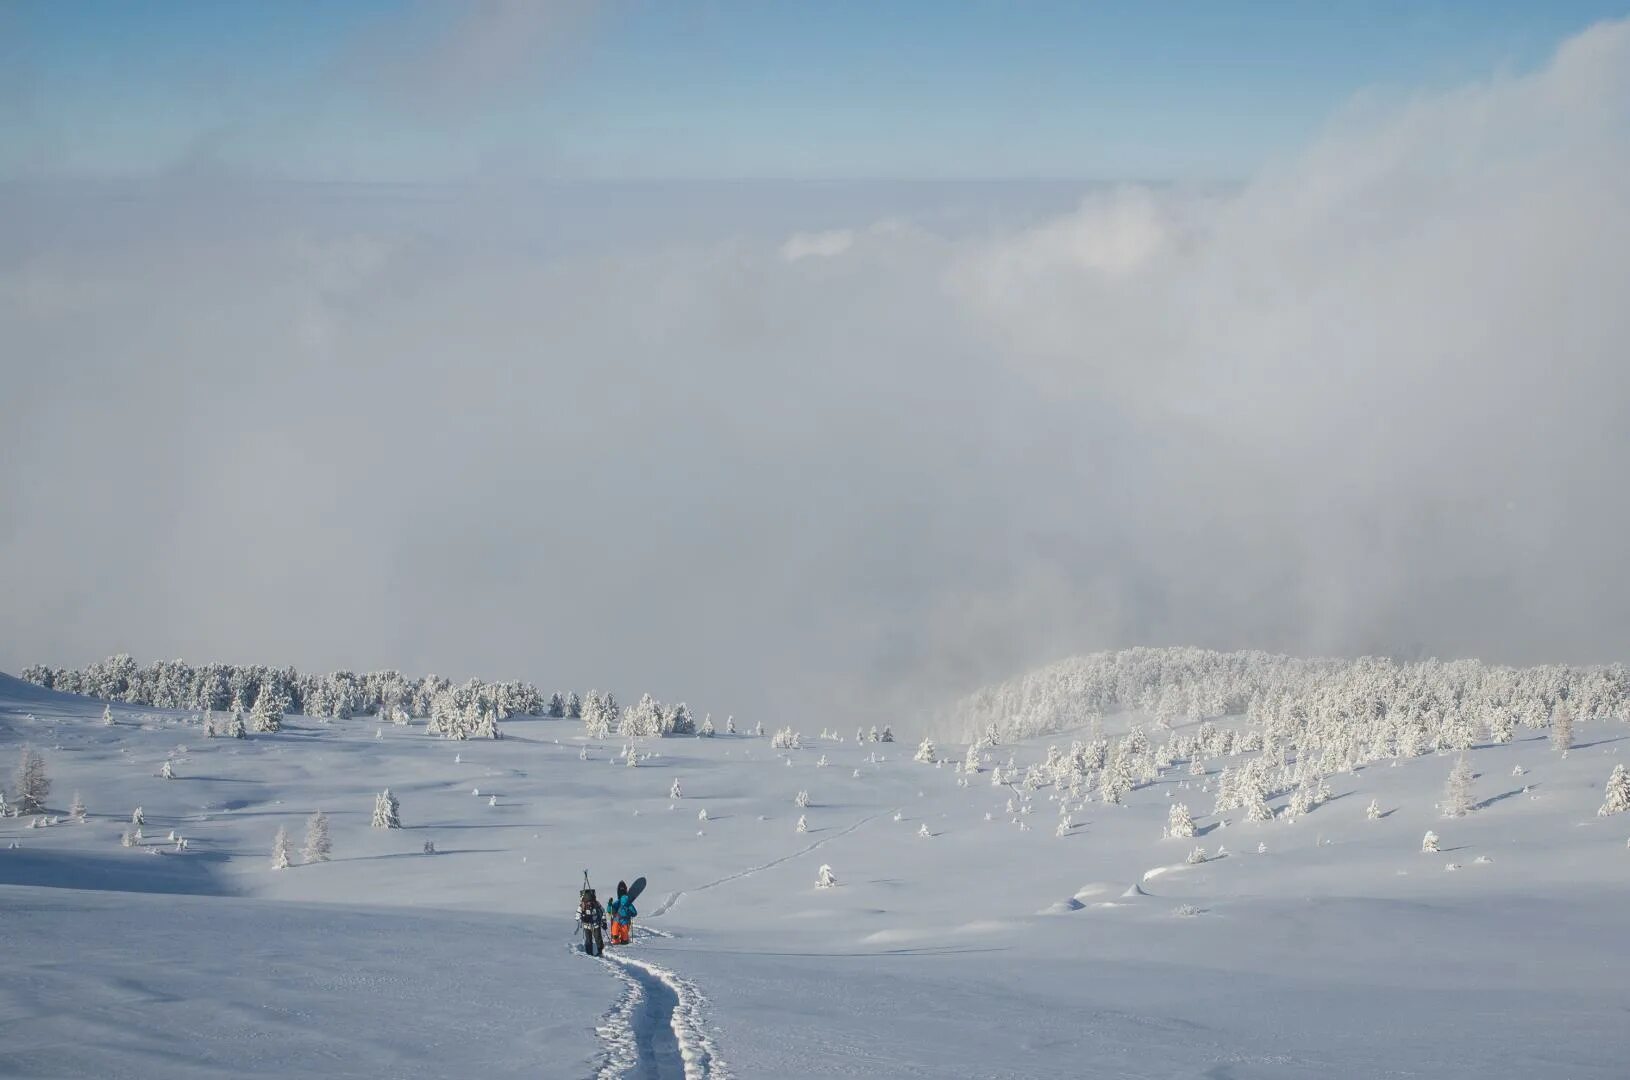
pixel 783 449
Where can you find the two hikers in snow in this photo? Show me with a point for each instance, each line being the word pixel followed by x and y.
pixel 592 918
pixel 622 914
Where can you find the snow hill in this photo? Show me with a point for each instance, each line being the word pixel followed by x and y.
pixel 961 938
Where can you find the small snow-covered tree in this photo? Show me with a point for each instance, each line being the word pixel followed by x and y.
pixel 1373 811
pixel 701 815
pixel 1457 791
pixel 675 792
pixel 76 812
pixel 705 729
pixel 318 846
pixel 925 752
pixel 824 878
pixel 972 762
pixel 801 799
pixel 1429 843
pixel 280 850
pixel 1502 727
pixel 1179 823
pixel 923 832
pixel 387 811
pixel 30 785
pixel 1198 855
pixel 803 823
pixel 1617 799
pixel 887 736
pixel 129 837
pixel 730 724
pixel 786 739
pixel 267 715
pixel 235 727
pixel 167 770
pixel 137 817
pixel 1562 728
pixel 107 715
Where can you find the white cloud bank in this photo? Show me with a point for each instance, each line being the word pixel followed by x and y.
pixel 1372 400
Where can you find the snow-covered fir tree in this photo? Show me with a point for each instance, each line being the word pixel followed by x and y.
pixel 675 792
pixel 801 799
pixel 76 811
pixel 1198 855
pixel 923 832
pixel 107 715
pixel 387 811
pixel 971 762
pixel 318 846
pixel 1502 727
pixel 786 739
pixel 267 715
pixel 1429 843
pixel 280 849
pixel 925 752
pixel 1457 791
pixel 824 878
pixel 705 729
pixel 887 735
pixel 1372 812
pixel 137 817
pixel 1562 728
pixel 730 724
pixel 1617 799
pixel 1179 823
pixel 30 785
pixel 129 837
pixel 803 823
pixel 167 770
pixel 235 727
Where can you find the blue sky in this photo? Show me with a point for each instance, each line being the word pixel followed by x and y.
pixel 419 92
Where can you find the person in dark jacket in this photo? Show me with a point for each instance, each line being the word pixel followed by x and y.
pixel 592 918
pixel 622 915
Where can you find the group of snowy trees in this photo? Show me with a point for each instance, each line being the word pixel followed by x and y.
pixel 178 685
pixel 648 719
pixel 1393 708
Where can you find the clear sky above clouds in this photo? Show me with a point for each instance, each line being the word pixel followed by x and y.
pixel 723 88
pixel 535 401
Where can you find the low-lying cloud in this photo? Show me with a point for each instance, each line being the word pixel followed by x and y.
pixel 808 469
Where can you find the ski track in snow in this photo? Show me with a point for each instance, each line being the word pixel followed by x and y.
pixel 674 897
pixel 656 1031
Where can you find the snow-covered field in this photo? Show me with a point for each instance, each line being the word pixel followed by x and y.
pixel 993 946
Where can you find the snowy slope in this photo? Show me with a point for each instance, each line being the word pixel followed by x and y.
pixel 982 950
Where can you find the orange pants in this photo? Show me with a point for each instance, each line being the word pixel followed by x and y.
pixel 619 933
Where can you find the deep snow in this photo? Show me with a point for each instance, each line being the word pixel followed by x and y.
pixel 980 951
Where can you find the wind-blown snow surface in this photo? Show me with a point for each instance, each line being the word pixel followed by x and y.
pixel 979 951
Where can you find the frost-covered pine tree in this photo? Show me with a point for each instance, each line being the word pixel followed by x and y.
pixel 1198 855
pixel 387 811
pixel 1457 791
pixel 137 817
pixel 280 850
pixel 675 792
pixel 824 878
pixel 267 715
pixel 1429 843
pixel 971 763
pixel 1617 800
pixel 730 724
pixel 925 752
pixel 801 799
pixel 76 812
pixel 1372 812
pixel 923 832
pixel 30 785
pixel 701 815
pixel 167 770
pixel 129 837
pixel 887 736
pixel 1179 823
pixel 318 846
pixel 235 727
pixel 1562 728
pixel 1502 727
pixel 705 730
pixel 107 715
pixel 803 823
pixel 1301 802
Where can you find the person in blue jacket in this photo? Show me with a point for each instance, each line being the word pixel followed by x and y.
pixel 621 912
